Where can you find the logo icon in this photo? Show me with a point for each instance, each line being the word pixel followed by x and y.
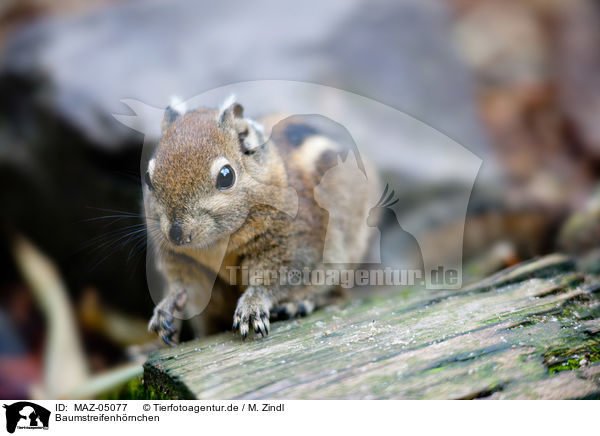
pixel 26 415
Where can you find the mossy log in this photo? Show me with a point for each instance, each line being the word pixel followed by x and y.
pixel 531 332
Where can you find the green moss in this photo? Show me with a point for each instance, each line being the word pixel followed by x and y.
pixel 568 360
pixel 134 389
pixel 434 370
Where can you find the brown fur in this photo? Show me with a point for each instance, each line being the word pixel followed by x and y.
pixel 243 225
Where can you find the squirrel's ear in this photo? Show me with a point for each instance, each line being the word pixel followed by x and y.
pixel 229 111
pixel 250 133
pixel 168 118
pixel 176 109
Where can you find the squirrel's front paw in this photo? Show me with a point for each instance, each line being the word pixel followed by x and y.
pixel 162 324
pixel 162 320
pixel 252 311
pixel 292 309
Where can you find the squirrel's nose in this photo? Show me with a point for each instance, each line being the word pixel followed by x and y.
pixel 176 233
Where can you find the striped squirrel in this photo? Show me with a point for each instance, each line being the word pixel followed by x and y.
pixel 219 194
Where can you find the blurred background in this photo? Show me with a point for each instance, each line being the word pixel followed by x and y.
pixel 517 82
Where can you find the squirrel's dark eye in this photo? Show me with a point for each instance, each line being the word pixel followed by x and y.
pixel 148 181
pixel 225 178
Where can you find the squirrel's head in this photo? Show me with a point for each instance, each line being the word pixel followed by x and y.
pixel 199 183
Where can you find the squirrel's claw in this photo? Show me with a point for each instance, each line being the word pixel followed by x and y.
pixel 162 324
pixel 252 311
pixel 168 326
pixel 162 320
pixel 167 339
pixel 261 325
pixel 244 331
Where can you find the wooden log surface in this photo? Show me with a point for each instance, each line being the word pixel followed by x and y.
pixel 530 332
